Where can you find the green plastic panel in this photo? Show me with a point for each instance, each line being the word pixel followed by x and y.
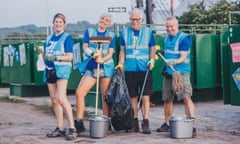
pixel 37 75
pixel 225 70
pixel 157 74
pixel 205 73
pixel 234 91
pixel 17 63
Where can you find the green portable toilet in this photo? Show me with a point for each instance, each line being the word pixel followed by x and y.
pixel 232 75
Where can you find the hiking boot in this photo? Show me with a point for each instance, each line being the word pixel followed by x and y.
pixel 79 126
pixel 164 128
pixel 194 133
pixel 145 126
pixel 71 134
pixel 135 127
pixel 56 133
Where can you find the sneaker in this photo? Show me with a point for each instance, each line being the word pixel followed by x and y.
pixel 194 133
pixel 71 134
pixel 145 126
pixel 79 126
pixel 56 133
pixel 135 127
pixel 164 128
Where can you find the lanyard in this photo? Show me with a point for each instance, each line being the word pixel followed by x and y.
pixel 136 38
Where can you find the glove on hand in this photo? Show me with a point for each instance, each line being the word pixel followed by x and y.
pixel 151 64
pixel 49 58
pixel 97 54
pixel 99 60
pixel 119 66
pixel 171 63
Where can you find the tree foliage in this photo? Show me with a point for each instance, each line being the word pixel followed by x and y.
pixel 215 14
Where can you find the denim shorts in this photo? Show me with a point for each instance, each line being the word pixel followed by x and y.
pixel 90 73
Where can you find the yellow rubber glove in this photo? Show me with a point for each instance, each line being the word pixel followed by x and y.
pixel 99 60
pixel 97 54
pixel 119 66
pixel 151 64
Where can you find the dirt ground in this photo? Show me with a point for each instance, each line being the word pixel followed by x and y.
pixel 28 121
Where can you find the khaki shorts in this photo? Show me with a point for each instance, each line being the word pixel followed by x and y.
pixel 168 94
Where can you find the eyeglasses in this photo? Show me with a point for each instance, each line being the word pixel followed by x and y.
pixel 135 19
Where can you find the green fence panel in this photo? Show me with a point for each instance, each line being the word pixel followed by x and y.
pixel 37 74
pixel 205 52
pixel 157 74
pixel 77 57
pixel 225 71
pixel 17 63
pixel 234 66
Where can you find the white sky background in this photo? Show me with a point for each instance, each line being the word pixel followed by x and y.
pixel 14 13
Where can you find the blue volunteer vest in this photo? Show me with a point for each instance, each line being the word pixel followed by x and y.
pixel 63 69
pixel 108 65
pixel 171 52
pixel 137 49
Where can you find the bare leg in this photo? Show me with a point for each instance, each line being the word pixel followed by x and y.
pixel 57 108
pixel 146 106
pixel 63 100
pixel 84 87
pixel 134 101
pixel 189 107
pixel 105 83
pixel 168 109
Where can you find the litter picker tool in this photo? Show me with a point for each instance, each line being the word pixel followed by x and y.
pixel 144 83
pixel 99 40
pixel 177 83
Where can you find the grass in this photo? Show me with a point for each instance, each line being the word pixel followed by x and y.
pixel 6 123
pixel 209 128
pixel 45 106
pixel 11 99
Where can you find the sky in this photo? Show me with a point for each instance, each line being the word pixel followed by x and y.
pixel 14 13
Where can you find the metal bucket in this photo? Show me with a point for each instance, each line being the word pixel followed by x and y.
pixel 98 125
pixel 181 127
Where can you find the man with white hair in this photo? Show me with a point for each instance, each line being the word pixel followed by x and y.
pixel 137 53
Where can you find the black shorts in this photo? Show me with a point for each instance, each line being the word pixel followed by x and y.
pixel 135 81
pixel 51 76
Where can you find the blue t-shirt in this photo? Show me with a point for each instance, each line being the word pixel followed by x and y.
pixel 86 38
pixel 92 63
pixel 136 33
pixel 68 46
pixel 184 44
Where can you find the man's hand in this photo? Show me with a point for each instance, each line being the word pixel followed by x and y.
pixel 151 64
pixel 119 66
pixel 171 63
pixel 99 60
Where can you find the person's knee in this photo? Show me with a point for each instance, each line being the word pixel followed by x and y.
pixel 187 101
pixel 55 101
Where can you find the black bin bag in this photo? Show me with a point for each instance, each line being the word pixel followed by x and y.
pixel 117 97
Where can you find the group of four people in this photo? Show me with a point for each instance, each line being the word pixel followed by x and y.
pixel 136 57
